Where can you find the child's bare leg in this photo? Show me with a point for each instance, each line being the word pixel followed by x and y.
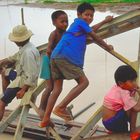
pixel 5 81
pixel 133 118
pixel 44 98
pixel 2 109
pixel 82 84
pixel 51 102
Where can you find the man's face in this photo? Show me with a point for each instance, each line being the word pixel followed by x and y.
pixel 87 15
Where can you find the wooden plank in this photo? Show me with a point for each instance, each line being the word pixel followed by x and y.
pixel 120 24
pixel 21 123
pixel 138 72
pixel 32 94
pixel 9 119
pixel 34 107
pixel 54 133
pixel 110 137
pixel 88 125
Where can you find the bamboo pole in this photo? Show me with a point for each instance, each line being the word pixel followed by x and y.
pixel 22 16
pixel 138 72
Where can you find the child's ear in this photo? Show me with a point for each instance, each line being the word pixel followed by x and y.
pixel 120 83
pixel 53 23
pixel 78 14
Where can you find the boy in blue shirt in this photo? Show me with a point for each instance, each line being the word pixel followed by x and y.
pixel 67 62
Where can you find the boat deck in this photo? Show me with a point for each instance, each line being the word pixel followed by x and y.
pixel 65 130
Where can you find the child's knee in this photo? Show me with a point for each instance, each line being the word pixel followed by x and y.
pixel 2 73
pixel 86 82
pixel 49 88
pixel 57 90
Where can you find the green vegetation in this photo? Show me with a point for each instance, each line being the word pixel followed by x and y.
pixel 111 1
pixel 94 1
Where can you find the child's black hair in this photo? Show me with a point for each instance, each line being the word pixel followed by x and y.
pixel 56 14
pixel 124 73
pixel 85 6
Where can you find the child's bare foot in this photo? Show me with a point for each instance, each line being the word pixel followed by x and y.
pixel 46 123
pixel 63 113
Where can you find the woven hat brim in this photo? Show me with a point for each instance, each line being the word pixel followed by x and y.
pixel 20 39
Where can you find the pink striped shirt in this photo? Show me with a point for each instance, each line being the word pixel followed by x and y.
pixel 117 99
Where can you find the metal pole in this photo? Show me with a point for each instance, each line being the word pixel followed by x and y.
pixel 83 110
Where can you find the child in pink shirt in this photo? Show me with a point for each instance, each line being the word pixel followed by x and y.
pixel 119 106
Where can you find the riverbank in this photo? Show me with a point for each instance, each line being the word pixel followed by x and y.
pixel 118 8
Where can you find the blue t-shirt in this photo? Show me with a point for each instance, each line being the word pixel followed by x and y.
pixel 72 45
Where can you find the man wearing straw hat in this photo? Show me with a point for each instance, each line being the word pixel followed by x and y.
pixel 27 64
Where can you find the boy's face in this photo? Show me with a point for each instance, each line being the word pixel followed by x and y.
pixel 129 85
pixel 61 22
pixel 87 15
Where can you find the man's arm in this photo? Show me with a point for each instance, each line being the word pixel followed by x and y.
pixel 21 93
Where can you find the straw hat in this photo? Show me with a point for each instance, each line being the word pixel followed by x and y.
pixel 20 33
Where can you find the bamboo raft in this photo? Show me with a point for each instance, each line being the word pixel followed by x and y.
pixel 27 123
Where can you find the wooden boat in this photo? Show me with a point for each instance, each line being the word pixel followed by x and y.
pixel 65 130
pixel 73 130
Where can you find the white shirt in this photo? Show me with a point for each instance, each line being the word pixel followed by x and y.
pixel 27 66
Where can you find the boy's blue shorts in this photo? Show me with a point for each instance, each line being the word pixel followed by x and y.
pixel 118 123
pixel 45 72
pixel 12 75
pixel 9 94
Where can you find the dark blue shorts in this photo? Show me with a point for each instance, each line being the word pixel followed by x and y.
pixel 12 75
pixel 9 94
pixel 118 123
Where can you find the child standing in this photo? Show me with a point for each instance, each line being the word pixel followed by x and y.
pixel 60 21
pixel 27 63
pixel 119 106
pixel 67 62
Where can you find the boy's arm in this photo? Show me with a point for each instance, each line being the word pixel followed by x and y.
pixel 50 43
pixel 100 41
pixel 106 20
pixel 137 106
pixel 5 62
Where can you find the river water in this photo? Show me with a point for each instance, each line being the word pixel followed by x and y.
pixel 99 65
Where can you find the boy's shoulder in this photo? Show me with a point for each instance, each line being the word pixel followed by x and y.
pixel 114 89
pixel 53 34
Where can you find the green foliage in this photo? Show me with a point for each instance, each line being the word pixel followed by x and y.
pixel 109 1
pixel 92 1
pixel 25 1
